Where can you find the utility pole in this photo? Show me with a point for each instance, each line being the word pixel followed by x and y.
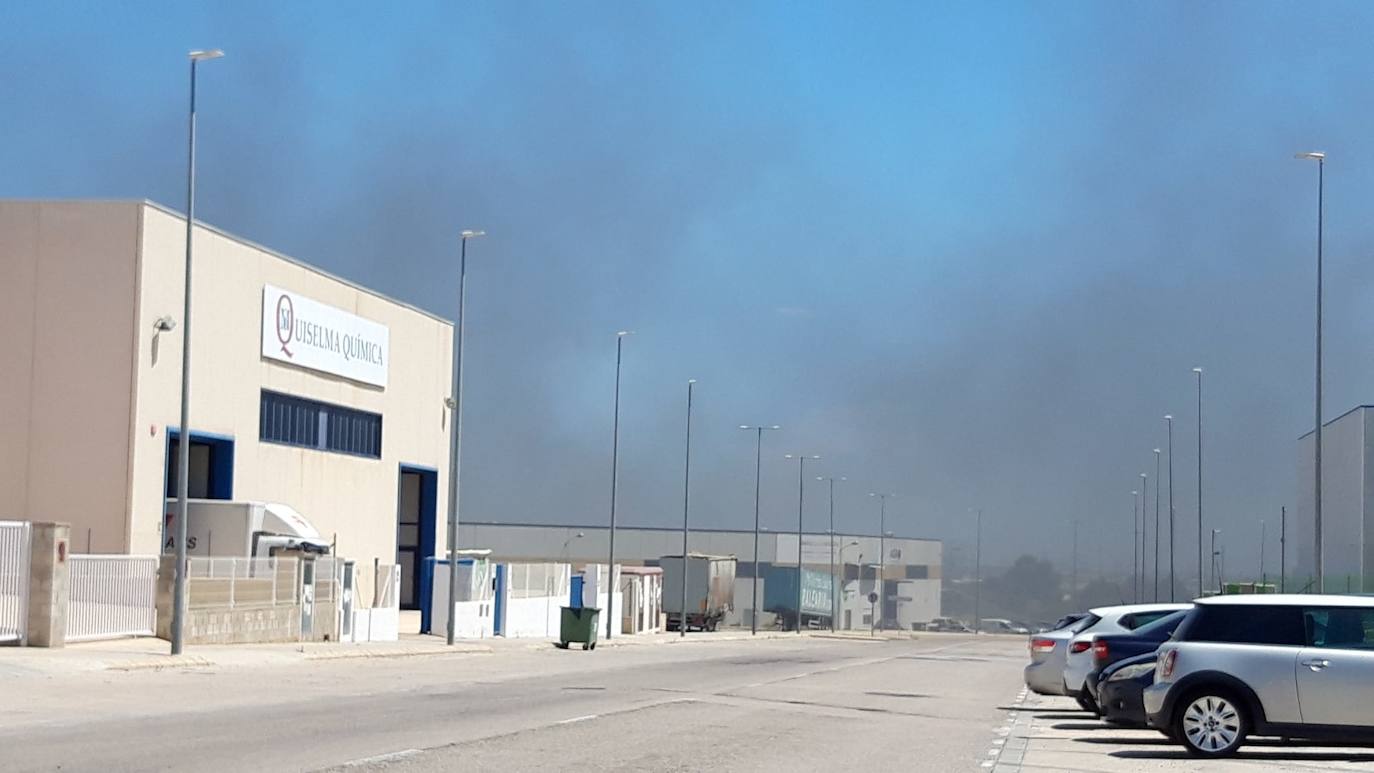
pixel 1135 546
pixel 1172 582
pixel 615 474
pixel 758 482
pixel 1073 583
pixel 1198 371
pixel 978 574
pixel 455 446
pixel 686 491
pixel 1262 580
pixel 1283 549
pixel 1157 478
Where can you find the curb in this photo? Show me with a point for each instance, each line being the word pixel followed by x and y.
pixel 476 649
pixel 181 661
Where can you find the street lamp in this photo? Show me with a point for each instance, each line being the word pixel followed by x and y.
pixel 1136 547
pixel 1320 567
pixel 1157 477
pixel 615 470
pixel 686 490
pixel 978 573
pixel 882 545
pixel 1215 577
pixel 758 469
pixel 1198 371
pixel 801 499
pixel 455 450
pixel 833 597
pixel 184 431
pixel 563 554
pixel 1170 421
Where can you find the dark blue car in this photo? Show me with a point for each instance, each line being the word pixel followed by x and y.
pixel 1120 688
pixel 1109 648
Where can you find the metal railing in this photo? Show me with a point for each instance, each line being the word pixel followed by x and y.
pixel 111 596
pixel 242 582
pixel 14 579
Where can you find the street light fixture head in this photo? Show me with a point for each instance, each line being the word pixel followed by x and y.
pixel 745 426
pixel 691 381
pixel 472 234
pixel 201 56
pixel 1135 493
pixel 1157 451
pixel 165 324
pixel 623 333
pixel 1197 370
pixel 1315 155
pixel 1168 417
pixel 1143 476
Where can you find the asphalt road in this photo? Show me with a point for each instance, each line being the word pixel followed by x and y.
pixel 805 704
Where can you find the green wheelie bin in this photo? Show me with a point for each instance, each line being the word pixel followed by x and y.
pixel 579 625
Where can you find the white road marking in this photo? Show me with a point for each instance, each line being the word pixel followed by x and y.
pixel 388 757
pixel 582 718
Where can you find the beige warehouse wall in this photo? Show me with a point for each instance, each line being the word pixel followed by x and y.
pixel 353 497
pixel 67 284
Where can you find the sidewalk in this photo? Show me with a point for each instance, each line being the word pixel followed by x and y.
pixel 150 654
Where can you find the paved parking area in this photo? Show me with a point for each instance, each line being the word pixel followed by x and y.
pixel 1052 734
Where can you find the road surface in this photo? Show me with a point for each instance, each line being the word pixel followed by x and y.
pixel 809 703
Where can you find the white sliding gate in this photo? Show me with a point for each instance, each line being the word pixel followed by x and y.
pixel 14 579
pixel 111 596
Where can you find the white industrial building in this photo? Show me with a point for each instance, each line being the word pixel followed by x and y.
pixel 1347 506
pixel 911 570
pixel 306 389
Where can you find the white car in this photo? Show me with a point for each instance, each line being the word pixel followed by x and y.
pixel 1079 660
pixel 1055 652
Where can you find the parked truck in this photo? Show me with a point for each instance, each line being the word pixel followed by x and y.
pixel 217 527
pixel 780 597
pixel 710 590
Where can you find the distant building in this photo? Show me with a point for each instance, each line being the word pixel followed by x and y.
pixel 1347 506
pixel 911 571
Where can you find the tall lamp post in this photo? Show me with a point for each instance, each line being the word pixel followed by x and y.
pixel 686 490
pixel 1136 547
pixel 834 600
pixel 801 500
pixel 1320 567
pixel 1172 584
pixel 1283 549
pixel 455 449
pixel 1157 477
pixel 184 430
pixel 882 549
pixel 1215 576
pixel 615 473
pixel 1198 371
pixel 758 470
pixel 978 573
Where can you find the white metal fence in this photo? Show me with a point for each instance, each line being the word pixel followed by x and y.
pixel 241 582
pixel 14 579
pixel 111 596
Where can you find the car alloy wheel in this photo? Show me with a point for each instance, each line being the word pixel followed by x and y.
pixel 1212 725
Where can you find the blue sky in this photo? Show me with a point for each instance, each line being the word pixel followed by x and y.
pixel 968 252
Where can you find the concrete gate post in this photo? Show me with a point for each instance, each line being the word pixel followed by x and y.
pixel 48 573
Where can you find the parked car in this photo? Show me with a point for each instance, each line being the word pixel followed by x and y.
pixel 1120 688
pixel 1060 660
pixel 948 625
pixel 1079 660
pixel 1266 665
pixel 1048 651
pixel 1108 648
pixel 1002 625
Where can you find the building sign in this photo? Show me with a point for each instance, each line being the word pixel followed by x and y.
pixel 308 333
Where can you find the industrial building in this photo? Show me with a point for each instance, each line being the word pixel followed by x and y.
pixel 911 570
pixel 1347 506
pixel 306 389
